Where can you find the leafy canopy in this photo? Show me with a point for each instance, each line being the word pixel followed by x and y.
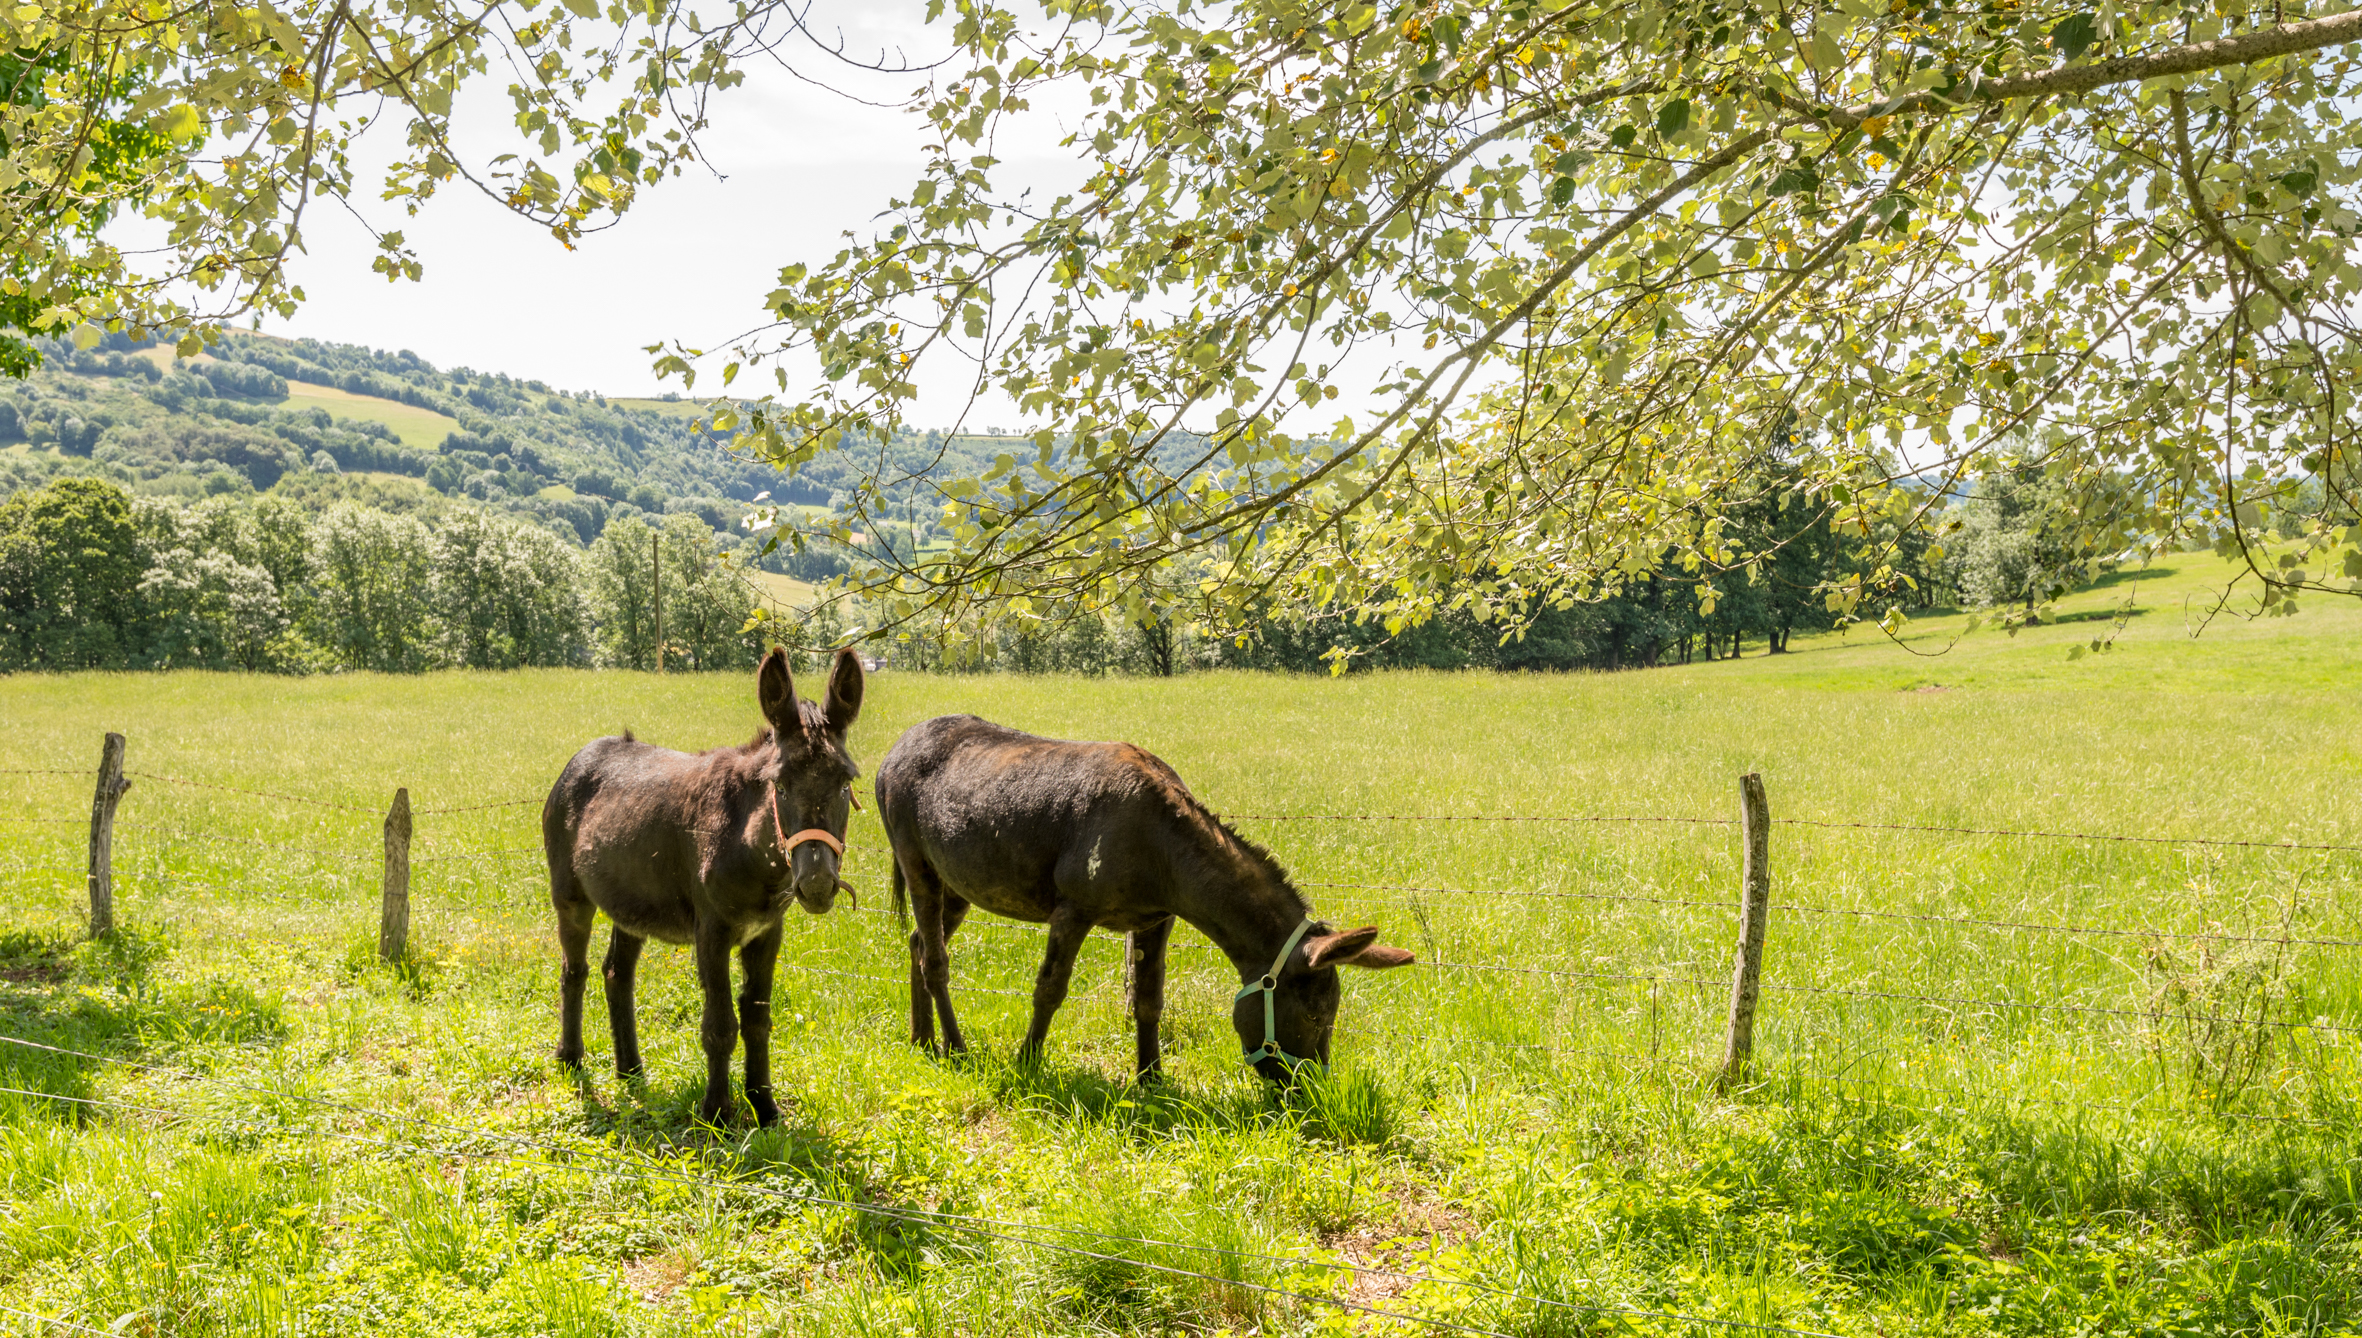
pixel 1590 256
pixel 223 126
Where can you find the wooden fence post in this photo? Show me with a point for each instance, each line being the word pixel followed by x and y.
pixel 393 923
pixel 1754 908
pixel 111 786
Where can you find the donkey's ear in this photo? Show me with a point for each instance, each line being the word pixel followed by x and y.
pixel 844 691
pixel 775 689
pixel 1354 947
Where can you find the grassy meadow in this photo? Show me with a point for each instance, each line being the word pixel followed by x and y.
pixel 276 1134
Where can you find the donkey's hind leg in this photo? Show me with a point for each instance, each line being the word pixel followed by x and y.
pixel 1069 926
pixel 930 956
pixel 621 970
pixel 575 914
pixel 955 913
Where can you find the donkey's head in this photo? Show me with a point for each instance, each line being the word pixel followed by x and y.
pixel 812 790
pixel 1287 1018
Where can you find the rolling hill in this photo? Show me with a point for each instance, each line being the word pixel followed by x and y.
pixel 325 422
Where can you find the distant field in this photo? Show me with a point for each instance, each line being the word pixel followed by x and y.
pixel 790 592
pixel 421 429
pixel 1972 1117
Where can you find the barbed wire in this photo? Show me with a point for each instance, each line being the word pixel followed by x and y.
pixel 1803 909
pixel 44 771
pixel 2062 836
pixel 889 980
pixel 258 794
pixel 1464 817
pixel 475 808
pixel 1571 975
pixel 182 834
pixel 1798 822
pixel 433 856
pixel 2163 1014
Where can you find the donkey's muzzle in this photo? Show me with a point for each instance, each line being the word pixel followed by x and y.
pixel 815 869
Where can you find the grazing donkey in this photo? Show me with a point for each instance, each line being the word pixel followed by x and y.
pixel 704 849
pixel 1077 835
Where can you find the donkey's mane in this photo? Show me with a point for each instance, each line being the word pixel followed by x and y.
pixel 1188 807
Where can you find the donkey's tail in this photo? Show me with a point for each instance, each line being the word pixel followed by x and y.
pixel 901 897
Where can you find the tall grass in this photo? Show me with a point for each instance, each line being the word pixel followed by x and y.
pixel 1927 1154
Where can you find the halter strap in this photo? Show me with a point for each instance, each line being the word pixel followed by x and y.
pixel 1268 987
pixel 788 844
pixel 814 834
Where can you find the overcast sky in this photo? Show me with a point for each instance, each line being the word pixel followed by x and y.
pixel 798 166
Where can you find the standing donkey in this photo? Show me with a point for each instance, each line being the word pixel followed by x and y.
pixel 1077 835
pixel 705 849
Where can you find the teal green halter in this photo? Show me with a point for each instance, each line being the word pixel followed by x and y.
pixel 1268 987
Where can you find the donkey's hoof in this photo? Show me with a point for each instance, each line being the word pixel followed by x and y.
pixel 716 1113
pixel 766 1110
pixel 570 1059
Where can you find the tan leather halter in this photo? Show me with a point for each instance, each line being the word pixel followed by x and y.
pixel 788 844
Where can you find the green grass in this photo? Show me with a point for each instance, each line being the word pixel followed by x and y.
pixel 680 408
pixel 423 429
pixel 1900 1167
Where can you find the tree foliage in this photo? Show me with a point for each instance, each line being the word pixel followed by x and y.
pixel 94 578
pixel 1586 257
pixel 224 126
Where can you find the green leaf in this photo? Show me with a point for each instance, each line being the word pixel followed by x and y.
pixel 1793 180
pixel 2074 34
pixel 1562 190
pixel 1673 117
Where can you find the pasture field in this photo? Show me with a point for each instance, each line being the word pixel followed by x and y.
pixel 420 429
pixel 2003 1127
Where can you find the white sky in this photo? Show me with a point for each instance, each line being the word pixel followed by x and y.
pixel 692 259
pixel 793 168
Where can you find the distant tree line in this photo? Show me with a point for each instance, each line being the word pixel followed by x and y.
pixel 2015 542
pixel 93 577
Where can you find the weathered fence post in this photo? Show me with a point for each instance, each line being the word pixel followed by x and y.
pixel 1754 908
pixel 656 589
pixel 393 923
pixel 111 786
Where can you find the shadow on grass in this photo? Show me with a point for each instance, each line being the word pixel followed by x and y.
pixel 2095 616
pixel 796 1157
pixel 101 997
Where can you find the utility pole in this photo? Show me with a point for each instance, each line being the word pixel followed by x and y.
pixel 656 585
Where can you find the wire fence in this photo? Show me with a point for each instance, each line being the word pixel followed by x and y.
pixel 1684 1058
pixel 496 862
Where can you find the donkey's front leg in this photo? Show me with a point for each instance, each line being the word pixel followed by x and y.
pixel 1144 959
pixel 1069 926
pixel 720 1031
pixel 758 957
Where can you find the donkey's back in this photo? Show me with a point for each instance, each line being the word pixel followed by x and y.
pixel 1010 819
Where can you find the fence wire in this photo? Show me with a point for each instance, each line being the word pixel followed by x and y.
pixel 1801 822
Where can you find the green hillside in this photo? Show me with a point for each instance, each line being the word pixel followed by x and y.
pixel 324 422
